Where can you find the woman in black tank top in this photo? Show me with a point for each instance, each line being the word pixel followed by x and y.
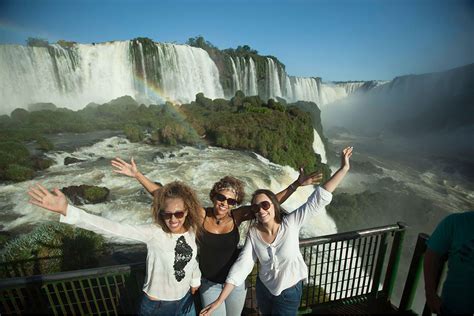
pixel 220 234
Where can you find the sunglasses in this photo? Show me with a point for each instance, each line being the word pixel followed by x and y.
pixel 264 205
pixel 222 198
pixel 168 215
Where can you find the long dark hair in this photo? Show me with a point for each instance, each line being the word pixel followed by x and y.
pixel 273 198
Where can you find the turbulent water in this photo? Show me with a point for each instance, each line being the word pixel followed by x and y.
pixel 128 203
pixel 423 175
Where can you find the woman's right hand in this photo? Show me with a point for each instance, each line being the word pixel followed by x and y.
pixel 55 201
pixel 125 168
pixel 209 308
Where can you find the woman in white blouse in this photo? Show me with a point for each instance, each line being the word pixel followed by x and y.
pixel 172 269
pixel 274 242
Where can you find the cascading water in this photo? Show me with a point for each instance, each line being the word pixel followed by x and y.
pixel 73 77
pixel 244 76
pixel 273 88
pixel 150 72
pixel 66 77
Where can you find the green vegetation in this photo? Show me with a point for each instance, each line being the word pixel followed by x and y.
pixel 37 42
pixel 163 123
pixel 15 161
pixel 51 248
pixel 95 193
pixel 222 59
pixel 66 44
pixel 282 134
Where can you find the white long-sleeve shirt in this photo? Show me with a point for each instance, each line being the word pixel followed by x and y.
pixel 281 262
pixel 171 259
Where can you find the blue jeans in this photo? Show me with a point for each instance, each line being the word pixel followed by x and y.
pixel 184 306
pixel 233 305
pixel 286 303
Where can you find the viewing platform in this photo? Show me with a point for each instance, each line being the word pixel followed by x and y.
pixel 349 273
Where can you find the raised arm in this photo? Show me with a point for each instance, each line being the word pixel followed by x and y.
pixel 303 179
pixel 57 202
pixel 322 196
pixel 337 177
pixel 244 213
pixel 131 170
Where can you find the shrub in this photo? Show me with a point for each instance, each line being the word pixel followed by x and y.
pixel 18 173
pixel 133 133
pixel 51 248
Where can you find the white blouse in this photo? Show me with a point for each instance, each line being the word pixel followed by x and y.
pixel 171 259
pixel 281 262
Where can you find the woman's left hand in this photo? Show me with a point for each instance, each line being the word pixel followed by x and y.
pixel 194 289
pixel 307 179
pixel 209 308
pixel 346 154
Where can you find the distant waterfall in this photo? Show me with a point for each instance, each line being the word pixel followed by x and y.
pixel 73 77
pixel 318 147
pixel 66 77
pixel 150 72
pixel 244 76
pixel 273 87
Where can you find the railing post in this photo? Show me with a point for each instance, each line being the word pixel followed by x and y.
pixel 414 272
pixel 394 261
pixel 378 268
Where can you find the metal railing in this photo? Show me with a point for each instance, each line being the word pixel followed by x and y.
pixel 343 268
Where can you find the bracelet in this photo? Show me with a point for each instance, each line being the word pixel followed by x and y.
pixel 292 186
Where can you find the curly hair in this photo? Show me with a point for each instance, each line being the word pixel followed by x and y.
pixel 229 183
pixel 177 190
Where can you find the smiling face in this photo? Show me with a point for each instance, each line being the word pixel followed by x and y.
pixel 265 216
pixel 173 208
pixel 222 202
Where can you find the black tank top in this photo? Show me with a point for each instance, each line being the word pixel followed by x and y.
pixel 217 253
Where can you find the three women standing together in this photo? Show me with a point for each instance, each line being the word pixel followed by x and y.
pixel 180 222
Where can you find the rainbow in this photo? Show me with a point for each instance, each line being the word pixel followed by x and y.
pixel 153 91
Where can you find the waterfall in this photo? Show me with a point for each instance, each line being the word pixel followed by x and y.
pixel 67 77
pixel 303 89
pixel 318 147
pixel 73 77
pixel 273 88
pixel 149 72
pixel 244 75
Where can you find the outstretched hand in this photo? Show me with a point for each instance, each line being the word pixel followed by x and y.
pixel 125 168
pixel 346 154
pixel 55 201
pixel 307 179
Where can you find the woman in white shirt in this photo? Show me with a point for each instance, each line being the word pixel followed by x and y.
pixel 172 269
pixel 274 242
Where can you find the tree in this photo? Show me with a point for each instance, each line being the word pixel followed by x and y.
pixel 37 42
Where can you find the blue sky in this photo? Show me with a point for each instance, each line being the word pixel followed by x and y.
pixel 335 40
